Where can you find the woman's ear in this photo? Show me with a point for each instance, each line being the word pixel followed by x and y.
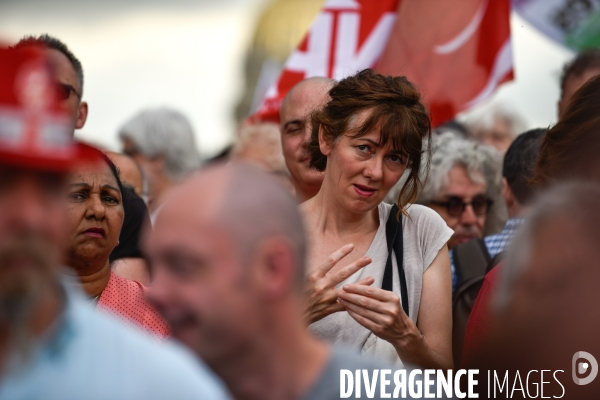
pixel 324 145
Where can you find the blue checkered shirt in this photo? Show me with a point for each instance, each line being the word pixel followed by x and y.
pixel 495 243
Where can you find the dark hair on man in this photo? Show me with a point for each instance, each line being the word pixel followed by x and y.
pixel 395 108
pixel 586 60
pixel 570 149
pixel 519 163
pixel 115 171
pixel 49 42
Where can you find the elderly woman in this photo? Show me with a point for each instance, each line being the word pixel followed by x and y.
pixel 369 133
pixel 95 211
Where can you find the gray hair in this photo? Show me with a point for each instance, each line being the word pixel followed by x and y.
pixel 450 150
pixel 484 118
pixel 260 144
pixel 167 133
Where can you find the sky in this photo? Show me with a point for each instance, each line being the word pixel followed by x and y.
pixel 189 54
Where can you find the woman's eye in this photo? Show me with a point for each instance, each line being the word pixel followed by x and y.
pixel 396 159
pixel 111 200
pixel 77 196
pixel 363 147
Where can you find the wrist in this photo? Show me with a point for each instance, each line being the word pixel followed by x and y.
pixel 410 341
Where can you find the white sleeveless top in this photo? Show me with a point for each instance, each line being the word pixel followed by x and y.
pixel 424 234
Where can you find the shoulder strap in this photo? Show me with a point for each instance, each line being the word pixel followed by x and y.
pixel 470 259
pixel 498 258
pixel 395 242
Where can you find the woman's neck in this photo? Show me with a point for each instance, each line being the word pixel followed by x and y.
pixel 328 215
pixel 95 282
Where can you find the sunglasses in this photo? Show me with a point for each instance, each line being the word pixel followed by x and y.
pixel 65 91
pixel 455 206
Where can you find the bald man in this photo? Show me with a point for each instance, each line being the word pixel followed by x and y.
pixel 296 109
pixel 131 173
pixel 227 258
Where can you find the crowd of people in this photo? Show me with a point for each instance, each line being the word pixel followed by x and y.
pixel 350 236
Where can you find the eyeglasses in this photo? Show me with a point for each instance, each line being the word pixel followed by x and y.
pixel 65 91
pixel 455 206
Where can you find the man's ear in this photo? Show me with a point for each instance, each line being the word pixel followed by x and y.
pixel 81 115
pixel 275 268
pixel 324 145
pixel 507 194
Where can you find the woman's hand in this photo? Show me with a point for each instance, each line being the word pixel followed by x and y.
pixel 428 344
pixel 321 285
pixel 380 312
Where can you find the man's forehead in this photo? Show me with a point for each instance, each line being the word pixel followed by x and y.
pixel 63 69
pixel 304 98
pixel 459 181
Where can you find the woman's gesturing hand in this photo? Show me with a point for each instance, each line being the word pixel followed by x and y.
pixel 380 312
pixel 322 295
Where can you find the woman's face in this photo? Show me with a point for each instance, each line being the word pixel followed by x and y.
pixel 360 170
pixel 95 214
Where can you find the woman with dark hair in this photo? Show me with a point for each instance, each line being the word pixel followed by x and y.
pixel 95 218
pixel 373 130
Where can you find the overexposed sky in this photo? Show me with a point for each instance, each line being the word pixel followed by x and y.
pixel 189 55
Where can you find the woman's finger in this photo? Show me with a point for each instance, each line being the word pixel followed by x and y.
pixel 367 323
pixel 366 302
pixel 333 259
pixel 370 291
pixel 367 281
pixel 349 270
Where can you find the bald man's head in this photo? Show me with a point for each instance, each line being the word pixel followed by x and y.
pixel 131 173
pixel 248 204
pixel 297 107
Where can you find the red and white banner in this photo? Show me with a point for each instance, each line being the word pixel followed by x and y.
pixel 457 53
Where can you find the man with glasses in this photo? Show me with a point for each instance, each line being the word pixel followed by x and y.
pixel 68 74
pixel 463 179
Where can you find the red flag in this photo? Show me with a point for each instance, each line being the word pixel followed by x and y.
pixel 456 54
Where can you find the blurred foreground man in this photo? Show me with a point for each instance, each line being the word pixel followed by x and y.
pixel 53 345
pixel 227 258
pixel 296 110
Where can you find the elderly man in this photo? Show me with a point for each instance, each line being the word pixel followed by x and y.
pixel 162 142
pixel 227 255
pixel 463 181
pixel 68 74
pixel 296 109
pixel 53 345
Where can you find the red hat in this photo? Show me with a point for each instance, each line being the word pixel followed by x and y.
pixel 34 132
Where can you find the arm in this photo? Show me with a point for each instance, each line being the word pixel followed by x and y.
pixel 428 344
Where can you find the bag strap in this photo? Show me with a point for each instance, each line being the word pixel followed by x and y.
pixel 395 242
pixel 470 259
pixel 498 258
